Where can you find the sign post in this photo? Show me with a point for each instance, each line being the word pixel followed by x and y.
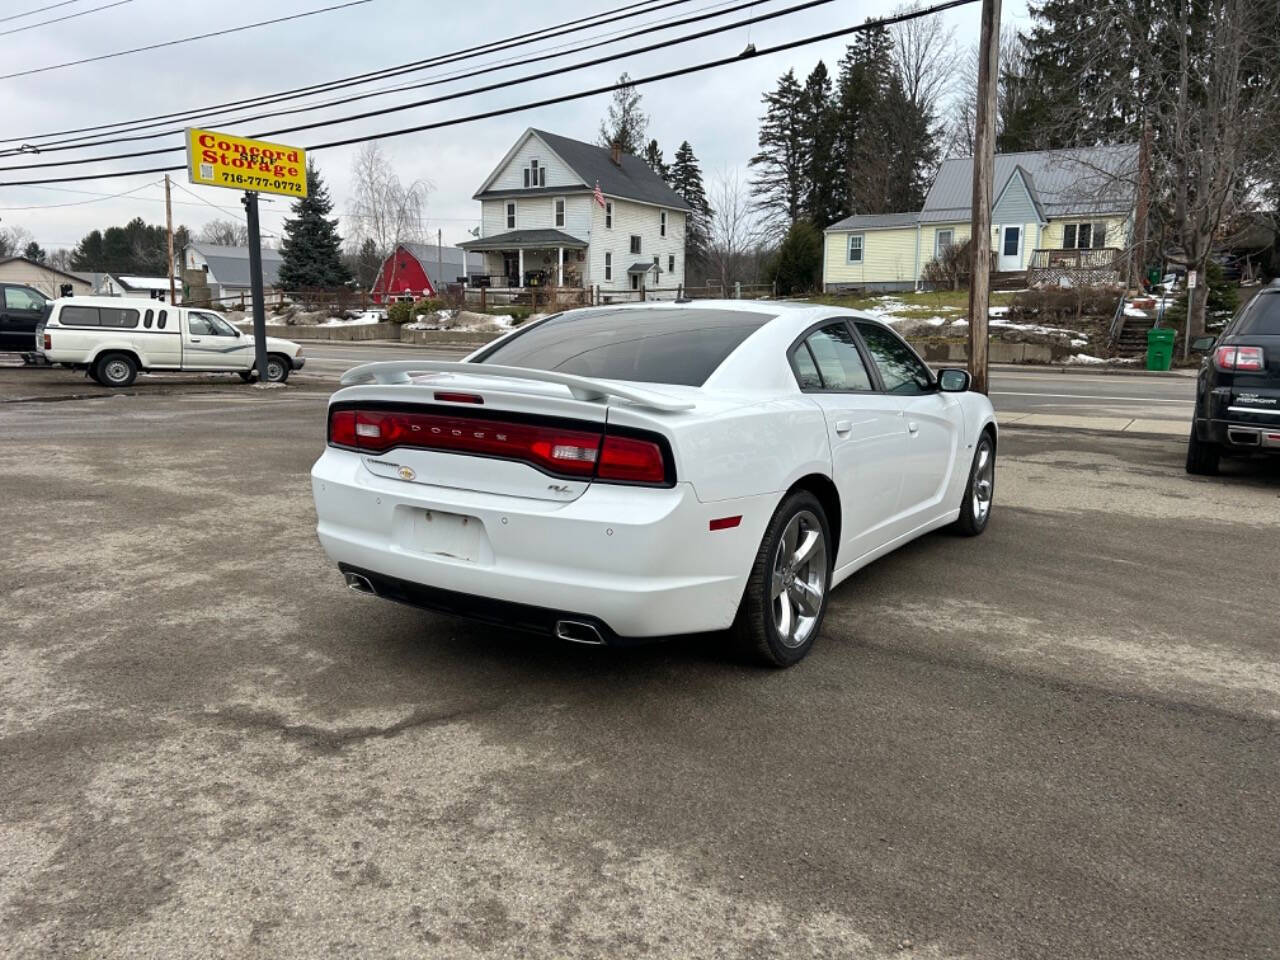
pixel 254 166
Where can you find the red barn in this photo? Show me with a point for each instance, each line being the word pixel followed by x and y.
pixel 418 270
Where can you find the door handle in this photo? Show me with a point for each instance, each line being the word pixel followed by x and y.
pixel 913 427
pixel 843 427
pixel 195 339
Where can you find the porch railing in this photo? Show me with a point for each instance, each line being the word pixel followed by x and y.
pixel 1093 258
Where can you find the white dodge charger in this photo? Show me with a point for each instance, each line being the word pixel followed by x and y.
pixel 620 473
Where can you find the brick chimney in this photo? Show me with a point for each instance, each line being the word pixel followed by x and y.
pixel 615 153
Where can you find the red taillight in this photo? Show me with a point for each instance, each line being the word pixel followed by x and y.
pixel 1247 359
pixel 342 428
pixel 582 454
pixel 631 461
pixel 458 397
pixel 48 342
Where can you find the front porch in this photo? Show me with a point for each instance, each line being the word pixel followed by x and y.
pixel 1090 267
pixel 529 259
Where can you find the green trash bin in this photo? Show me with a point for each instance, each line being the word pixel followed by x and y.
pixel 1160 348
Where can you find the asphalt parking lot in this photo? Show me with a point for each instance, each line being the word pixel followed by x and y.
pixel 1055 741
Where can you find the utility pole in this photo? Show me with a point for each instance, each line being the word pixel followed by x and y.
pixel 1143 207
pixel 255 286
pixel 440 258
pixel 168 225
pixel 984 148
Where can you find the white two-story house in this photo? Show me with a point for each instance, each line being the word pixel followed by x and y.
pixel 562 212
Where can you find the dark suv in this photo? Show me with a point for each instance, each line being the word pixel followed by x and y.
pixel 22 309
pixel 1238 392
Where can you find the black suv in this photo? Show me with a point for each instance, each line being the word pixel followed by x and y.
pixel 1238 392
pixel 22 309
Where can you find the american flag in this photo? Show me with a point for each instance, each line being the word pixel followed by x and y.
pixel 599 197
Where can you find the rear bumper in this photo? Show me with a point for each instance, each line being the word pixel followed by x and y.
pixel 635 562
pixel 1245 437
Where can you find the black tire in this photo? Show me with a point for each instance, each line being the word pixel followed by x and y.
pixel 248 376
pixel 115 370
pixel 1202 457
pixel 278 368
pixel 973 519
pixel 755 629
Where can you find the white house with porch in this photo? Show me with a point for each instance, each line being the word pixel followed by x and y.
pixel 560 212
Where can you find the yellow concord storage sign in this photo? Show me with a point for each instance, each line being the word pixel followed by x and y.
pixel 221 160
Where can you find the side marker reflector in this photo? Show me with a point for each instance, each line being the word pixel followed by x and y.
pixel 725 523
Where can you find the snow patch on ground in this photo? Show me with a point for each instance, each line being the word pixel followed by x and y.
pixel 369 316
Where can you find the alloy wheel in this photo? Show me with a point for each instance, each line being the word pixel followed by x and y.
pixel 798 580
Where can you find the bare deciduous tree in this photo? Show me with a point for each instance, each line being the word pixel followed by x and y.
pixel 225 233
pixel 926 59
pixel 12 240
pixel 735 228
pixel 383 209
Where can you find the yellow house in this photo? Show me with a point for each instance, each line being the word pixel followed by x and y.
pixel 1052 208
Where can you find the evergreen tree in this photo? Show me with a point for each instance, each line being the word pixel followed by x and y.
pixel 136 248
pixel 863 137
pixel 797 266
pixel 686 180
pixel 367 263
pixel 822 174
pixel 33 251
pixel 653 157
pixel 781 165
pixel 626 123
pixel 311 257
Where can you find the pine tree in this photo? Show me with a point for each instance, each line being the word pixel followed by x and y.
pixel 653 157
pixel 311 257
pixel 33 251
pixel 781 166
pixel 822 174
pixel 367 263
pixel 626 122
pixel 686 180
pixel 863 135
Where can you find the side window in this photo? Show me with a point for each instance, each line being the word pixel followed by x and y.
pixel 198 325
pixel 608 214
pixel 162 319
pixel 900 369
pixel 20 298
pixel 855 247
pixel 635 243
pixel 608 265
pixel 806 369
pixel 836 358
pixel 71 316
pixel 511 215
pixel 118 317
pixel 146 318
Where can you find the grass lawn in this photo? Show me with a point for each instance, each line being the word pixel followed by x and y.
pixel 948 304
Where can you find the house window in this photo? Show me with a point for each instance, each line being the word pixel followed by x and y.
pixel 942 241
pixel 559 211
pixel 671 263
pixel 662 223
pixel 535 175
pixel 511 215
pixel 635 243
pixel 855 248
pixel 608 266
pixel 608 214
pixel 1082 236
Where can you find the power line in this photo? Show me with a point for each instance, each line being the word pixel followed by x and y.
pixel 174 43
pixel 69 16
pixel 579 24
pixel 563 98
pixel 502 84
pixel 52 6
pixel 79 203
pixel 563 50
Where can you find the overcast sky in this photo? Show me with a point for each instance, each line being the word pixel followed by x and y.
pixel 717 111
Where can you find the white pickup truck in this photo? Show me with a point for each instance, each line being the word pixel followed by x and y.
pixel 114 339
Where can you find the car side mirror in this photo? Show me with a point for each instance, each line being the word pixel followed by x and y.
pixel 1203 344
pixel 954 381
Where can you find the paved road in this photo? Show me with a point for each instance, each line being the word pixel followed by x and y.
pixel 1057 741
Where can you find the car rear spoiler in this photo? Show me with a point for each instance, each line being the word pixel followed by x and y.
pixel 582 388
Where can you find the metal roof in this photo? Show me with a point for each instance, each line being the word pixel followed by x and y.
pixel 1081 180
pixel 229 266
pixel 515 239
pixel 629 179
pixel 644 266
pixel 876 221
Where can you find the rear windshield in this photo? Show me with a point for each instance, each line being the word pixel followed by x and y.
pixel 659 345
pixel 1262 318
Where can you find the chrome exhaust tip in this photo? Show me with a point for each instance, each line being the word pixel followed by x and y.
pixel 360 584
pixel 575 631
pixel 1244 438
